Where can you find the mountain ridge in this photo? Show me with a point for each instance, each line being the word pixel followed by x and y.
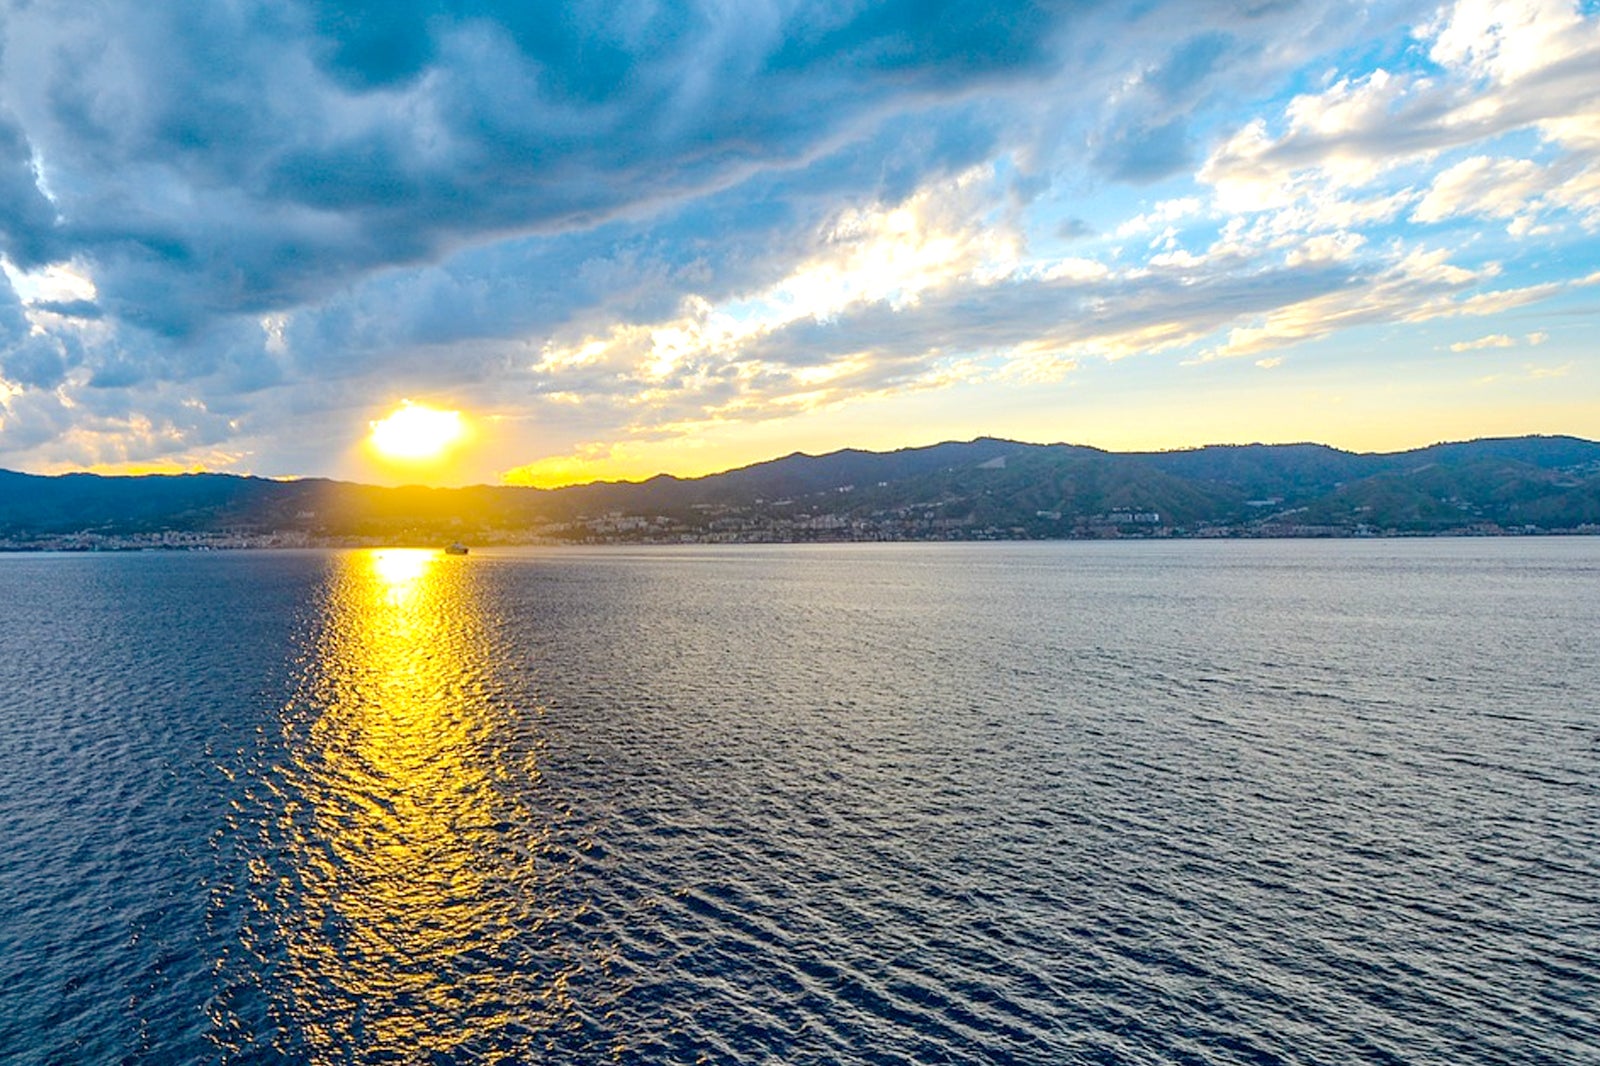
pixel 987 487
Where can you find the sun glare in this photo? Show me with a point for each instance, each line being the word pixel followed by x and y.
pixel 415 432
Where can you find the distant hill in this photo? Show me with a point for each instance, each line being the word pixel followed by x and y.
pixel 985 488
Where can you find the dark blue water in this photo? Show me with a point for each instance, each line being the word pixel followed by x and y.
pixel 1277 802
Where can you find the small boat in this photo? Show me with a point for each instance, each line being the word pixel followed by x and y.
pixel 455 548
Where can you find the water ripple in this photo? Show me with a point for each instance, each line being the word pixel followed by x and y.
pixel 1221 804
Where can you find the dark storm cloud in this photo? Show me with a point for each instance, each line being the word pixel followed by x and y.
pixel 27 220
pixel 30 359
pixel 212 159
pixel 13 323
pixel 37 362
pixel 229 354
pixel 222 159
pixel 714 246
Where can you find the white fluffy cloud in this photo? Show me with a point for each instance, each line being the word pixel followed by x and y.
pixel 1504 68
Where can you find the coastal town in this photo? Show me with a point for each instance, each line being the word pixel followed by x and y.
pixel 723 524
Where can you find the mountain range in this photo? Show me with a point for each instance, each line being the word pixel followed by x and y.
pixel 984 488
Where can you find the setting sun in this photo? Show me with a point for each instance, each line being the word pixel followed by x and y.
pixel 415 432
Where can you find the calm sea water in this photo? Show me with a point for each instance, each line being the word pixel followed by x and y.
pixel 1269 802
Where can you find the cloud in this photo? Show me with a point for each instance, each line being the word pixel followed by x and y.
pixel 1479 185
pixel 1145 154
pixel 255 157
pixel 1414 286
pixel 1516 189
pixel 1493 340
pixel 259 155
pixel 1162 215
pixel 13 322
pixel 913 297
pixel 69 308
pixel 236 228
pixel 1071 229
pixel 1503 68
pixel 1508 41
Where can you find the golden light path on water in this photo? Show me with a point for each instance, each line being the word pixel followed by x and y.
pixel 421 917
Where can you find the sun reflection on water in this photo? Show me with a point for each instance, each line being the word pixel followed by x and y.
pixel 400 570
pixel 415 921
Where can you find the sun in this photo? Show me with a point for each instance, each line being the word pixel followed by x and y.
pixel 415 432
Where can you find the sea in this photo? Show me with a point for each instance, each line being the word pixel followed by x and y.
pixel 1146 802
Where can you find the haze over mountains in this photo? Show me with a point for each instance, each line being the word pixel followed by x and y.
pixel 981 489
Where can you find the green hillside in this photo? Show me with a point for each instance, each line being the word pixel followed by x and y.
pixel 975 489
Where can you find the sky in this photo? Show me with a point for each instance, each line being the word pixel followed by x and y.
pixel 609 240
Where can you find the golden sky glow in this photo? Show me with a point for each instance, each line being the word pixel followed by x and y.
pixel 417 433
